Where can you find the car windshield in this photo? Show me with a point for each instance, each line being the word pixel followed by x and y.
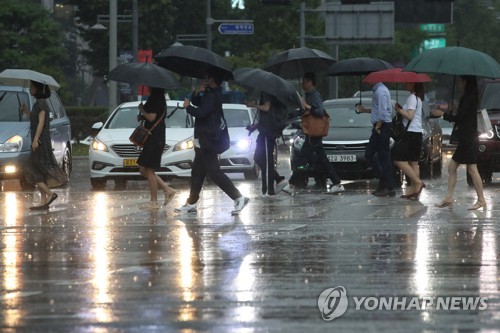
pixel 10 105
pixel 345 116
pixel 237 117
pixel 491 97
pixel 126 117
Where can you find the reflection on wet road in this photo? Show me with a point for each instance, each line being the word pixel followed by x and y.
pixel 101 262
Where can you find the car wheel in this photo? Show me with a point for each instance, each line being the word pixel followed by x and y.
pixel 486 174
pixel 301 181
pixel 320 180
pixel 67 163
pixel 426 169
pixel 25 186
pixel 98 183
pixel 437 168
pixel 120 184
pixel 469 179
pixel 252 174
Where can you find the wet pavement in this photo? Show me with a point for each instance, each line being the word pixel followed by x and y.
pixel 103 262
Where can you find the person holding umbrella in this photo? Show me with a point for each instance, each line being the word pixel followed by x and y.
pixel 154 112
pixel 314 104
pixel 207 109
pixel 407 152
pixel 466 151
pixel 269 131
pixel 378 149
pixel 43 170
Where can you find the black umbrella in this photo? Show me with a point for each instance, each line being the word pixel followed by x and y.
pixel 258 79
pixel 193 61
pixel 293 63
pixel 357 66
pixel 144 73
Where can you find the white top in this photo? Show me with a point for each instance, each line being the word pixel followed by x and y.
pixel 414 103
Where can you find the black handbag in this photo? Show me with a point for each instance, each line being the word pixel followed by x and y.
pixel 141 134
pixel 221 139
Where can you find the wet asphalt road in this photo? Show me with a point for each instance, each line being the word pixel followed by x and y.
pixel 103 262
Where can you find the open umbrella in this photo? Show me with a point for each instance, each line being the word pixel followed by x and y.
pixel 144 73
pixel 22 77
pixel 258 79
pixel 396 75
pixel 357 66
pixel 455 60
pixel 193 61
pixel 293 63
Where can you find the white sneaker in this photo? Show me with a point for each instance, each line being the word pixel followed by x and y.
pixel 239 204
pixel 280 186
pixel 290 189
pixel 336 188
pixel 269 195
pixel 186 208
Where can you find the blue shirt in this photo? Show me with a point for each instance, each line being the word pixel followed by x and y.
pixel 381 104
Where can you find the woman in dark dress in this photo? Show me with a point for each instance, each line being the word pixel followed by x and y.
pixel 43 170
pixel 150 157
pixel 466 152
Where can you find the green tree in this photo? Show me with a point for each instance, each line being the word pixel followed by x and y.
pixel 31 39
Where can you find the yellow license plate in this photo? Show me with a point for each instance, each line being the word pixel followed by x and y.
pixel 130 162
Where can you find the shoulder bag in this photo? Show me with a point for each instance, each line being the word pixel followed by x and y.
pixel 315 126
pixel 141 134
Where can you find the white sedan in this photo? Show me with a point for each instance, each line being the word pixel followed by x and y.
pixel 113 157
pixel 239 157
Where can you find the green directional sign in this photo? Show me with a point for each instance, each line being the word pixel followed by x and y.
pixel 432 28
pixel 432 43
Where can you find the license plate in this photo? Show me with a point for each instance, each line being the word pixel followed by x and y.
pixel 342 158
pixel 130 162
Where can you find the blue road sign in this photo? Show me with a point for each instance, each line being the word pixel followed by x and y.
pixel 236 28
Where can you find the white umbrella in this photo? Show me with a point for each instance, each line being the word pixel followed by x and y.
pixel 22 77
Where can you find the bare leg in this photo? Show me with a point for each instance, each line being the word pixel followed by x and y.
pixel 169 192
pixel 45 192
pixel 477 181
pixel 452 178
pixel 150 175
pixel 408 170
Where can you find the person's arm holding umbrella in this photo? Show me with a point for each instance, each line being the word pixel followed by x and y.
pixel 203 109
pixel 261 107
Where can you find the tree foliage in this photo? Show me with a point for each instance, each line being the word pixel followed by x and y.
pixel 31 39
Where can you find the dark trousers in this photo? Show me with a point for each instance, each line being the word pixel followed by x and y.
pixel 264 157
pixel 378 154
pixel 315 145
pixel 206 163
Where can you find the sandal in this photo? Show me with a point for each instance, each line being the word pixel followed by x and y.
pixel 445 203
pixel 478 205
pixel 169 196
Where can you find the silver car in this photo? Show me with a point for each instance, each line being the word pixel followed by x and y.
pixel 15 139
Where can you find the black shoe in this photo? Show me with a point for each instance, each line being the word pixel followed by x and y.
pixel 385 193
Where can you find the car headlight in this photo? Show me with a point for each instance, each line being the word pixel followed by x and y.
pixel 12 145
pixel 98 145
pixel 242 145
pixel 298 142
pixel 487 135
pixel 184 145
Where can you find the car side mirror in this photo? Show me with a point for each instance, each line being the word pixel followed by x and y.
pixel 96 128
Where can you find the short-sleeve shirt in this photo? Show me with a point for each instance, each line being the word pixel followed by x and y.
pixel 414 103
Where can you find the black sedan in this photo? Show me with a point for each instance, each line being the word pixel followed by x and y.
pixel 347 139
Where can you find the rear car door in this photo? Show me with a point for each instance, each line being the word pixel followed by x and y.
pixel 60 130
